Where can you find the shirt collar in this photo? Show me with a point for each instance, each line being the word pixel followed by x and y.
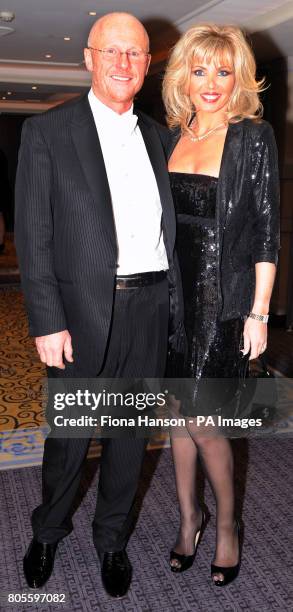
pixel 106 118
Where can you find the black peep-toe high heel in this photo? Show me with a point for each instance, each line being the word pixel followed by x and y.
pixel 186 561
pixel 229 573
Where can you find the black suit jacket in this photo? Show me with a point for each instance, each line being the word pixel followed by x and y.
pixel 65 231
pixel 247 212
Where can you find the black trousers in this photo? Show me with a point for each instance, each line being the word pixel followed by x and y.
pixel 137 348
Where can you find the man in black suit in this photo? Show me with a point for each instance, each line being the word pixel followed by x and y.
pixel 95 232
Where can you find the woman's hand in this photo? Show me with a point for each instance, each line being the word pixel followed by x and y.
pixel 255 337
pixel 255 332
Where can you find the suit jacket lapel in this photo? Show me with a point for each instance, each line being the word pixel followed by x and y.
pixel 232 148
pixel 88 148
pixel 157 158
pixel 174 137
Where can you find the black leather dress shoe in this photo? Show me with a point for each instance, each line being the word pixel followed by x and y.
pixel 38 563
pixel 116 572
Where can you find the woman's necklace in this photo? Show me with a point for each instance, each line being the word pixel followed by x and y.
pixel 206 134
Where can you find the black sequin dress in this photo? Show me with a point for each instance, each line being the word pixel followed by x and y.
pixel 213 346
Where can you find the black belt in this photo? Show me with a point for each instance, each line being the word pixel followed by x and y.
pixel 133 281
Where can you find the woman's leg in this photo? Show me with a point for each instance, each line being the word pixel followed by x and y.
pixel 216 456
pixel 217 460
pixel 185 454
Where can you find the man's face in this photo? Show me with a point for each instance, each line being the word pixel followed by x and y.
pixel 115 81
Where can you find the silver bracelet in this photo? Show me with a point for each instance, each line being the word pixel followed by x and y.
pixel 259 317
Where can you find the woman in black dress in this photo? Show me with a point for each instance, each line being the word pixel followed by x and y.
pixel 224 178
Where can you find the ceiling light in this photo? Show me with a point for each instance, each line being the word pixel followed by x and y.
pixel 9 93
pixel 34 87
pixel 66 38
pixel 92 13
pixel 7 16
pixel 48 55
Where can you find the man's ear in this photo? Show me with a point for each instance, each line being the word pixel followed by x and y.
pixel 88 59
pixel 148 64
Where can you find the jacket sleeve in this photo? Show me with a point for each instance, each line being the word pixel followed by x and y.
pixel 34 234
pixel 265 201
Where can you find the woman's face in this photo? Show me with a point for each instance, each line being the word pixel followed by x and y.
pixel 211 86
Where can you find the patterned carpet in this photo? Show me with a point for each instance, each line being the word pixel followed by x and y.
pixel 21 371
pixel 264 480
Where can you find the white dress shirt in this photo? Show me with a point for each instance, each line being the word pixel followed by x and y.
pixel 135 197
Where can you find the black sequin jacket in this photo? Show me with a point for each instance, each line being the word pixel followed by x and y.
pixel 247 212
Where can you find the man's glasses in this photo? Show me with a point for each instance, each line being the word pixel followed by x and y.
pixel 134 56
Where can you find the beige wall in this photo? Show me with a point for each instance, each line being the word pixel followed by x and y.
pixel 280 113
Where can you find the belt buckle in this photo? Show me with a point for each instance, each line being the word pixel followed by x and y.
pixel 120 284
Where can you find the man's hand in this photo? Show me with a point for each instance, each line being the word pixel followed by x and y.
pixel 52 347
pixel 255 337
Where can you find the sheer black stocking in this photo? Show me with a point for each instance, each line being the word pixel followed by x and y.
pixel 215 454
pixel 217 460
pixel 185 463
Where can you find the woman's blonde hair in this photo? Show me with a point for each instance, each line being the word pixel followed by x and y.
pixel 211 43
